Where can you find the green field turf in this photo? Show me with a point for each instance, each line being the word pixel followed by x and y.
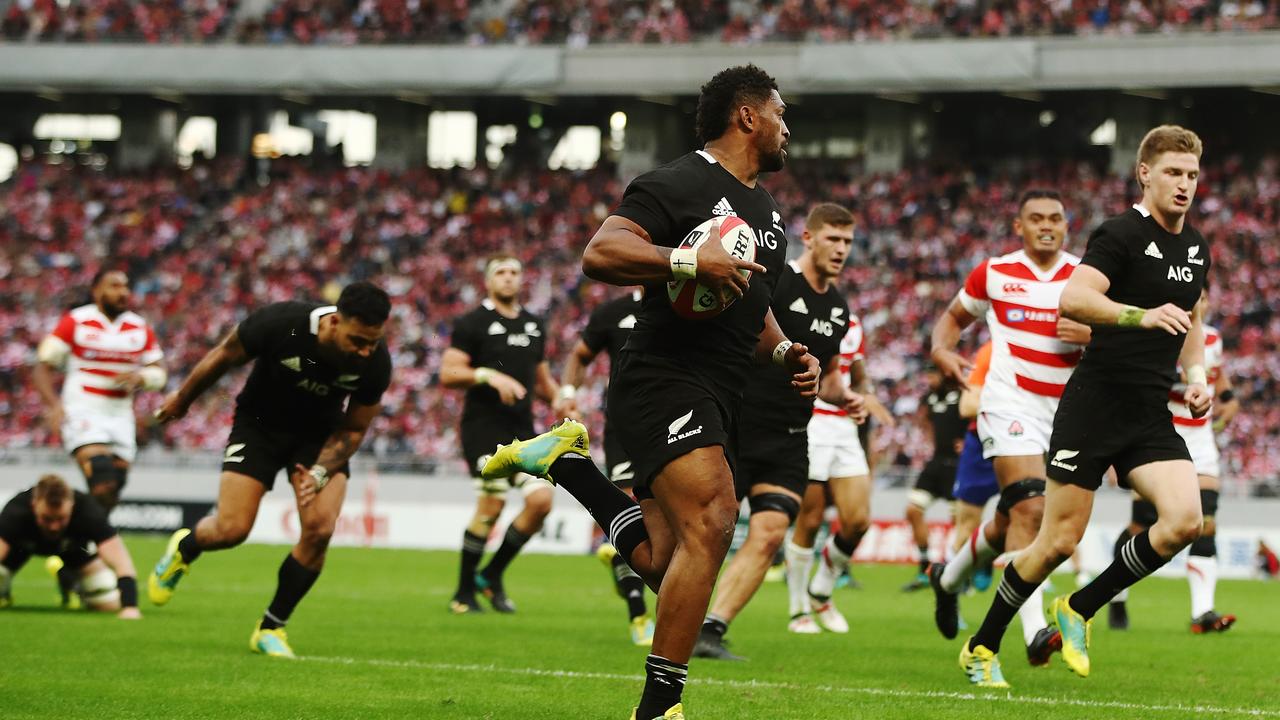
pixel 377 642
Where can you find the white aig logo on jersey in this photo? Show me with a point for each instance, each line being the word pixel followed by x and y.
pixel 822 327
pixel 313 387
pixel 1180 272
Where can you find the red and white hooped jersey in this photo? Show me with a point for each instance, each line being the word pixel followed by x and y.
pixel 853 347
pixel 1213 366
pixel 1030 366
pixel 97 351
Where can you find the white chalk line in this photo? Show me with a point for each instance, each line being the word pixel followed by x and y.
pixel 769 685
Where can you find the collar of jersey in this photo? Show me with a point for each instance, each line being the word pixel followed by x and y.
pixel 488 304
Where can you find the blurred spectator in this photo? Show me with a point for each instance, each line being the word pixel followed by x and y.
pixel 582 22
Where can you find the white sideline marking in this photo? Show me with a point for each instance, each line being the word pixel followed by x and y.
pixel 747 684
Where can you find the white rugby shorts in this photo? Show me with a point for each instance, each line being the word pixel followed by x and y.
pixel 834 448
pixel 1202 446
pixel 81 428
pixel 1010 434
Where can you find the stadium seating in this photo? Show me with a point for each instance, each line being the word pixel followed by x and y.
pixel 580 22
pixel 206 245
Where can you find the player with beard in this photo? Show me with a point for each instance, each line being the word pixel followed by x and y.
pixel 607 330
pixel 773 441
pixel 51 519
pixel 309 360
pixel 497 354
pixel 678 387
pixel 1138 286
pixel 1032 356
pixel 109 353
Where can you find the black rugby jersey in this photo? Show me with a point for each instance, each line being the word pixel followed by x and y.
pixel 1148 267
pixel 514 346
pixel 295 383
pixel 672 200
pixel 609 326
pixel 88 523
pixel 817 320
pixel 949 428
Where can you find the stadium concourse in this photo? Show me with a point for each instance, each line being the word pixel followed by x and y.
pixel 203 247
pixel 582 22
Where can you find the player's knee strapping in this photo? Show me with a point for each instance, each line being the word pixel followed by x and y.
pixel 1019 492
pixel 1143 513
pixel 1206 545
pixel 775 502
pixel 103 471
pixel 100 589
pixel 920 498
pixel 1208 503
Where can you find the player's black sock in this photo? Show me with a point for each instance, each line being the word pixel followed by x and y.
pixel 715 625
pixel 293 582
pixel 511 544
pixel 472 551
pixel 1124 537
pixel 663 684
pixel 614 511
pixel 188 548
pixel 1137 560
pixel 630 587
pixel 924 558
pixel 1010 595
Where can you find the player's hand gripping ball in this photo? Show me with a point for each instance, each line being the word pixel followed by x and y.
pixel 693 300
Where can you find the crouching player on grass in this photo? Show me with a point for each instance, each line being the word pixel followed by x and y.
pixel 51 519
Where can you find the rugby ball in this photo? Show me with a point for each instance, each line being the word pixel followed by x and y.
pixel 690 299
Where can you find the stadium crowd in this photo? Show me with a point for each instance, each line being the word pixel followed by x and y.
pixel 583 22
pixel 204 246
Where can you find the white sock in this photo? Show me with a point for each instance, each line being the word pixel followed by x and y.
pixel 1202 575
pixel 799 563
pixel 1122 596
pixel 976 551
pixel 1032 615
pixel 832 565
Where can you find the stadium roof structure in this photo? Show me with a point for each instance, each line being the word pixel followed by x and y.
pixel 1031 64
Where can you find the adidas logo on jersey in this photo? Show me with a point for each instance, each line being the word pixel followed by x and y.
pixel 293 363
pixel 799 306
pixel 723 208
pixel 231 455
pixel 627 322
pixel 1154 251
pixel 496 328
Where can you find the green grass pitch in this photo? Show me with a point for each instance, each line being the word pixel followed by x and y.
pixel 377 642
